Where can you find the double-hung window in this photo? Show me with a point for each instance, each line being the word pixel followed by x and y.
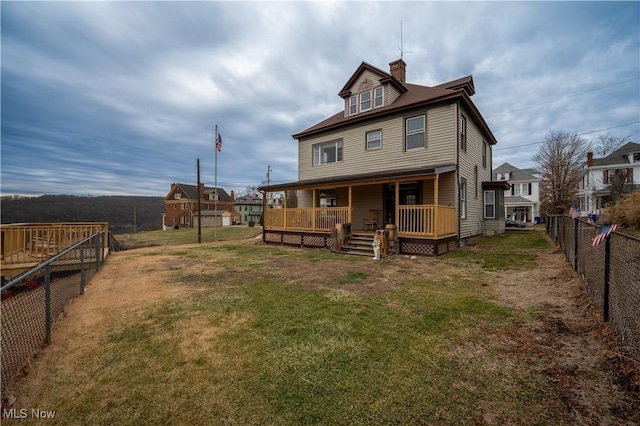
pixel 330 152
pixel 463 199
pixel 414 132
pixel 365 101
pixel 353 105
pixel 490 204
pixel 484 154
pixel 377 97
pixel 374 140
pixel 463 133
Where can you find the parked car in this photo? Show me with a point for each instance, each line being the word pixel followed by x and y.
pixel 514 223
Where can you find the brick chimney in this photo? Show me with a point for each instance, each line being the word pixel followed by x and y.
pixel 589 159
pixel 232 196
pixel 398 69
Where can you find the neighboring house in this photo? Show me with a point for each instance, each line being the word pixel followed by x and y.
pixel 249 208
pixel 618 171
pixel 181 204
pixel 522 202
pixel 412 158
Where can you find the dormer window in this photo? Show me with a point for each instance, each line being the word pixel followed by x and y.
pixel 636 157
pixel 377 97
pixel 365 101
pixel 353 105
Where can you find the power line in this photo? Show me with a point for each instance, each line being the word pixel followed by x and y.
pixel 577 134
pixel 564 97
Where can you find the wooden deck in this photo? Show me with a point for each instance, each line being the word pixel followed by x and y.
pixel 25 246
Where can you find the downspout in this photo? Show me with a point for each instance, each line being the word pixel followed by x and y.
pixel 264 214
pixel 458 169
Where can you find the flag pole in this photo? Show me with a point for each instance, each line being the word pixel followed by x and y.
pixel 215 187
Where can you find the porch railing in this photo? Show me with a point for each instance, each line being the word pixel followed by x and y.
pixel 306 219
pixel 417 220
pixel 426 220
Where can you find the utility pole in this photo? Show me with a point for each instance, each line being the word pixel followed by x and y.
pixel 269 169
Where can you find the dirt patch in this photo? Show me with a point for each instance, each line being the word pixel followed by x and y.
pixel 597 383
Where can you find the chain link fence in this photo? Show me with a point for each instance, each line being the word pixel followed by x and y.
pixel 611 271
pixel 34 300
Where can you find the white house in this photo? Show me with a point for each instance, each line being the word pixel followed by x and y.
pixel 598 175
pixel 523 201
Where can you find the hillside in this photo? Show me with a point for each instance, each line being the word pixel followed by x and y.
pixel 117 210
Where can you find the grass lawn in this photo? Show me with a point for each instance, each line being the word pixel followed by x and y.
pixel 187 236
pixel 262 334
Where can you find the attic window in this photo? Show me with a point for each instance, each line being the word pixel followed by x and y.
pixel 377 97
pixel 177 195
pixel 636 157
pixel 365 101
pixel 353 105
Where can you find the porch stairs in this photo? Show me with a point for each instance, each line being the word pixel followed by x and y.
pixel 359 245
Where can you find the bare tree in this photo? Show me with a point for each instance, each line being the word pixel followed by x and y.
pixel 606 144
pixel 559 159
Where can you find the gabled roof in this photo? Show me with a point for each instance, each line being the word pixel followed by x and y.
pixel 514 172
pixel 191 191
pixel 465 83
pixel 415 96
pixel 619 156
pixel 384 77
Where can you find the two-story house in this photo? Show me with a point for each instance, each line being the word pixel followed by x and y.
pixel 600 178
pixel 522 202
pixel 401 156
pixel 249 208
pixel 181 205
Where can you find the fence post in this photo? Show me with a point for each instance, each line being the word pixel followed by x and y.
pixel 82 275
pixel 575 245
pixel 47 303
pixel 607 261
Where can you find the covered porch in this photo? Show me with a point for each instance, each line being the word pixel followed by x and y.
pixel 418 203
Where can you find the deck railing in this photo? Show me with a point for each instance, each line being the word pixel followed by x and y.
pixel 306 219
pixel 33 242
pixel 426 220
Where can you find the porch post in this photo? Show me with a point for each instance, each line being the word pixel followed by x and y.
pixel 313 209
pixel 436 211
pixel 350 208
pixel 397 205
pixel 285 208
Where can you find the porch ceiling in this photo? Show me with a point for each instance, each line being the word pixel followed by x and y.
pixel 363 178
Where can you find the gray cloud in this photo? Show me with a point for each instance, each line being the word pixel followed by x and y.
pixel 122 97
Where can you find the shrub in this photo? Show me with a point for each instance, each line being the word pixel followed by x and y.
pixel 626 212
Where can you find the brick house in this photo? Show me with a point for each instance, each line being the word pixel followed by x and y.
pixel 181 204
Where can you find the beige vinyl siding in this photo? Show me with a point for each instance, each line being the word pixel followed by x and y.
pixel 474 223
pixel 440 136
pixel 364 198
pixel 391 94
pixel 447 189
pixel 366 75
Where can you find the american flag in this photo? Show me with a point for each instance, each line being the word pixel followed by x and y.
pixel 605 231
pixel 590 219
pixel 574 212
pixel 219 142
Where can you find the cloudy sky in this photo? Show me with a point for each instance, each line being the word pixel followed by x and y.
pixel 107 98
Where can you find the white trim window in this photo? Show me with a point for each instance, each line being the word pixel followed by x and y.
pixel 378 99
pixel 463 132
pixel 490 204
pixel 353 105
pixel 414 132
pixel 374 140
pixel 365 101
pixel 463 199
pixel 177 196
pixel 484 154
pixel 329 152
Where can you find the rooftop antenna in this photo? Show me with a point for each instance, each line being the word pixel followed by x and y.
pixel 402 52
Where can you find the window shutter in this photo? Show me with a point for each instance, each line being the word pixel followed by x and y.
pixel 529 189
pixel 605 176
